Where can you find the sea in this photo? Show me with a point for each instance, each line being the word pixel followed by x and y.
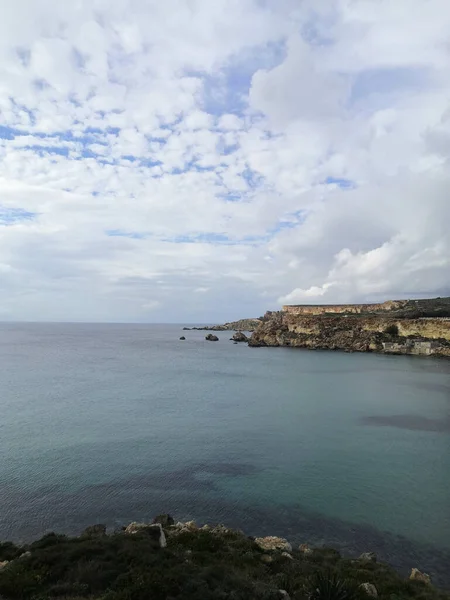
pixel 113 423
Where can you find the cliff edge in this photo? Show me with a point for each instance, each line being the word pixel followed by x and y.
pixel 163 560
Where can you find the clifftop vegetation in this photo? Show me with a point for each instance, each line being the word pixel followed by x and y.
pixel 181 561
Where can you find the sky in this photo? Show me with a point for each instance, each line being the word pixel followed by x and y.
pixel 201 161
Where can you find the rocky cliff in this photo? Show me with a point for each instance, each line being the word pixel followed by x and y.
pixel 386 330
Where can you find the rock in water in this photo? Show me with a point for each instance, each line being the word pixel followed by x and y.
pixel 273 543
pixel 417 575
pixel 95 531
pixel 369 589
pixel 239 337
pixel 182 338
pixel 211 338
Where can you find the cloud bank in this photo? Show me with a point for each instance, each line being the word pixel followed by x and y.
pixel 192 160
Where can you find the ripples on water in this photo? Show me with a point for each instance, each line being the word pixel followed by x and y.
pixel 118 423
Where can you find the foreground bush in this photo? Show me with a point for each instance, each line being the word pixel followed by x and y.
pixel 197 564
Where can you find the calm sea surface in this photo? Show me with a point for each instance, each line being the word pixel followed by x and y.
pixel 114 423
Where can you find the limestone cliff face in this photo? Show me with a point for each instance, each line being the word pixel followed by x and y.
pixel 409 309
pixel 354 332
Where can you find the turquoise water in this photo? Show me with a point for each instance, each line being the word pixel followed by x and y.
pixel 114 423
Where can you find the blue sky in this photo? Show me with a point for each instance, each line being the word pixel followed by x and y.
pixel 235 155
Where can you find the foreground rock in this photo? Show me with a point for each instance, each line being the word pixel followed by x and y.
pixel 369 589
pixel 417 575
pixel 211 338
pixel 273 543
pixel 368 557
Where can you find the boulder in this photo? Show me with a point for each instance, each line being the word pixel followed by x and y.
pixel 211 338
pixel 3 564
pixel 368 557
pixel 417 575
pixel 239 337
pixel 182 338
pixel 305 549
pixel 273 543
pixel 284 594
pixel 369 589
pixel 191 526
pixel 154 530
pixel 266 558
pixel 98 530
pixel 287 555
pixel 164 520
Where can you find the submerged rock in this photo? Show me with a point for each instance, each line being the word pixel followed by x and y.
pixel 417 575
pixel 211 338
pixel 273 543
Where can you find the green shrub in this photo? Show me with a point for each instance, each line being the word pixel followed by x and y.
pixel 326 585
pixel 196 565
pixel 391 329
pixel 9 551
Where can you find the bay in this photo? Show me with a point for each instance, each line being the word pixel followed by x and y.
pixel 114 423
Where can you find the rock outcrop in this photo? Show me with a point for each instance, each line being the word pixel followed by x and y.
pixel 273 543
pixel 211 338
pixel 356 332
pixel 417 575
pixel 369 589
pixel 239 337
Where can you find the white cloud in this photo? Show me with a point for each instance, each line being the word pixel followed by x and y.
pixel 235 154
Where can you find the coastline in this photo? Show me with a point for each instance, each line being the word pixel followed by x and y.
pixel 174 560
